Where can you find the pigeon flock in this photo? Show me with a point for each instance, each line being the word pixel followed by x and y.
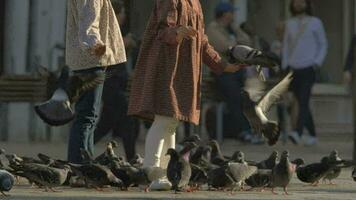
pixel 197 166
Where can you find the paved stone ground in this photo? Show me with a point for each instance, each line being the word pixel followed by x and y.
pixel 345 188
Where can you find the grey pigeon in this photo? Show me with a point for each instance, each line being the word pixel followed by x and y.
pixel 7 180
pixel 240 172
pixel 108 155
pixel 42 175
pixel 242 54
pixel 255 112
pixel 179 170
pixel 58 111
pixel 282 173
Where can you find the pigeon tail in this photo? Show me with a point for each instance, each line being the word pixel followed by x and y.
pixel 271 131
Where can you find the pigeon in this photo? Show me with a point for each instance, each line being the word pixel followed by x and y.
pixel 199 176
pixel 137 161
pixel 144 175
pixel 240 172
pixel 219 178
pixel 263 180
pixel 354 174
pixel 108 155
pixel 42 175
pixel 242 54
pixel 335 172
pixel 282 173
pixel 193 138
pixel 7 181
pixel 179 170
pixel 255 112
pixel 217 157
pixel 57 111
pixel 96 175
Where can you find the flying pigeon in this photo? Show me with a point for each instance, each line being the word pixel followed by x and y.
pixel 255 112
pixel 58 111
pixel 242 54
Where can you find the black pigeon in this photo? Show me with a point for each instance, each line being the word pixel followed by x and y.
pixel 199 176
pixel 7 181
pixel 354 174
pixel 58 111
pixel 282 173
pixel 217 157
pixel 96 175
pixel 42 175
pixel 335 172
pixel 255 112
pixel 241 54
pixel 263 180
pixel 179 170
pixel 220 178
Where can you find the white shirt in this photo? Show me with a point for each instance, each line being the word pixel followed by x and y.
pixel 311 47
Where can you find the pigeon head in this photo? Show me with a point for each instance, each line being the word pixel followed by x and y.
pixel 238 156
pixel 274 155
pixel 298 162
pixel 334 155
pixel 137 156
pixel 2 151
pixel 325 160
pixel 213 144
pixel 172 153
pixel 188 146
pixel 195 138
pixel 285 155
pixel 240 53
pixel 114 144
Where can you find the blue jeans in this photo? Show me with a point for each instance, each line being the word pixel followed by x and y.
pixel 114 111
pixel 87 110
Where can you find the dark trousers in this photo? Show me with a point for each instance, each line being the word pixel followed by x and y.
pixel 114 111
pixel 230 86
pixel 82 131
pixel 301 86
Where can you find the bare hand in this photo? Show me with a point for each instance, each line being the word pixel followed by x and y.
pixel 185 32
pixel 232 68
pixel 98 50
pixel 347 77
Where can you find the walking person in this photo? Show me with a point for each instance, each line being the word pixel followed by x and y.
pixel 93 44
pixel 114 110
pixel 167 78
pixel 304 51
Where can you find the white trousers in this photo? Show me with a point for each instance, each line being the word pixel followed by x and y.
pixel 160 137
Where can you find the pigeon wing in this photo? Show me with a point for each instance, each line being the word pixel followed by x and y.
pixel 275 94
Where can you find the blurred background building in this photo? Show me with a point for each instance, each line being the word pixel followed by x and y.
pixel 32 34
